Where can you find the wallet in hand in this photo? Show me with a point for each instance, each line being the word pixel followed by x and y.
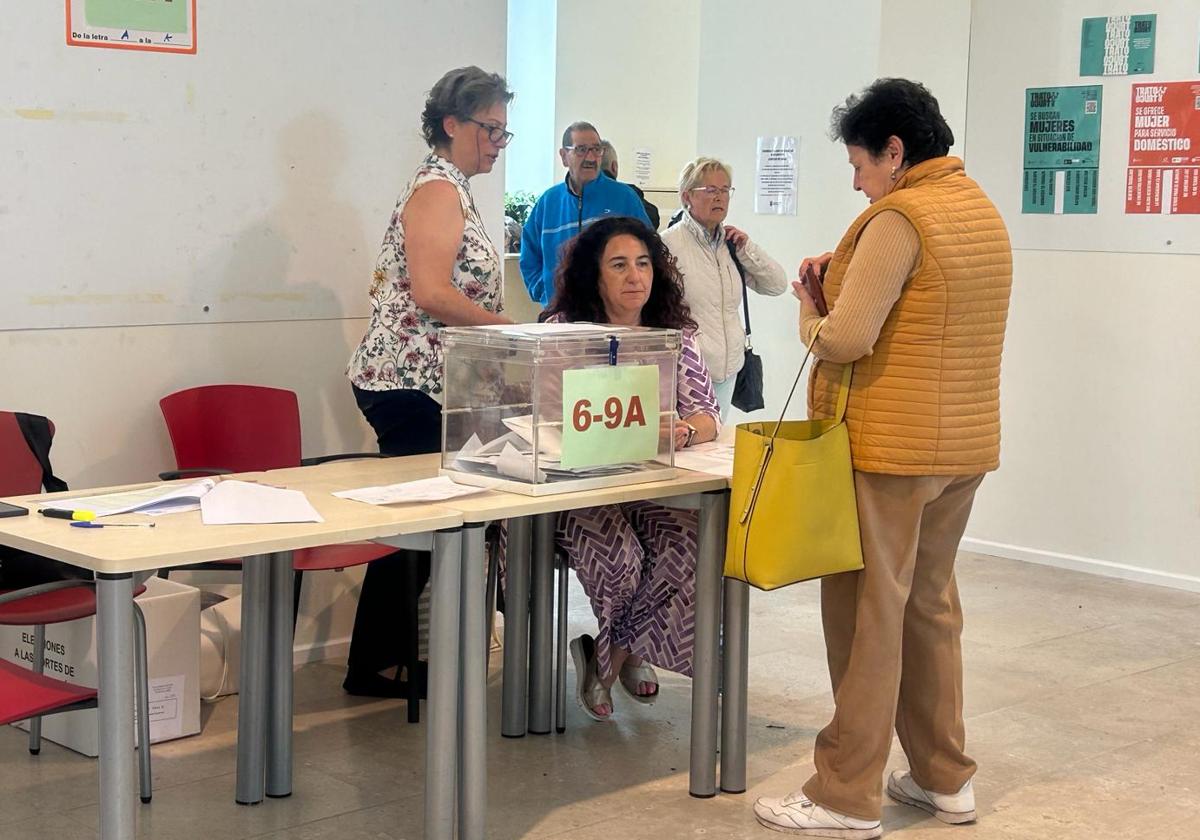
pixel 813 285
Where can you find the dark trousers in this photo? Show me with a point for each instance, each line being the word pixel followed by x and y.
pixel 385 626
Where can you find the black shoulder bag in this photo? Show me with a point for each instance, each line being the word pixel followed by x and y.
pixel 19 569
pixel 748 387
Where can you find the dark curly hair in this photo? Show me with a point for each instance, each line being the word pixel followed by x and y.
pixel 577 281
pixel 893 107
pixel 460 93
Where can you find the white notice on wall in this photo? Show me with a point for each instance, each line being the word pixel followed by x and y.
pixel 775 185
pixel 643 159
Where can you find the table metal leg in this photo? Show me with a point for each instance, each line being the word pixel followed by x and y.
pixel 541 625
pixel 442 709
pixel 253 687
pixel 279 705
pixel 114 644
pixel 735 640
pixel 141 690
pixel 703 775
pixel 472 745
pixel 560 653
pixel 513 716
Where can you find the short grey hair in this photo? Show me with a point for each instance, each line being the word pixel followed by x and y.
pixel 608 158
pixel 578 125
pixel 461 93
pixel 695 171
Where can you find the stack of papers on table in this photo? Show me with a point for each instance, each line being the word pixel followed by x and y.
pixel 227 502
pixel 424 490
pixel 155 500
pixel 511 455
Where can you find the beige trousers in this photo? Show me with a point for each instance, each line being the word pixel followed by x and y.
pixel 892 638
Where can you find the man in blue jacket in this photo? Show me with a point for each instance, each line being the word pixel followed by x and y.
pixel 584 196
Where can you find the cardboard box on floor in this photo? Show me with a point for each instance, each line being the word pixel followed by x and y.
pixel 172 613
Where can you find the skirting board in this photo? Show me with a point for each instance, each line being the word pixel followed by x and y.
pixel 1104 568
pixel 321 650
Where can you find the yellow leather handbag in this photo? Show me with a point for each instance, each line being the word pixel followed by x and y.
pixel 792 512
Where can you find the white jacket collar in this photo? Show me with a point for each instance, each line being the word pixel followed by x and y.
pixel 701 234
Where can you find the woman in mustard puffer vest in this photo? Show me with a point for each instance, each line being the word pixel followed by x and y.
pixel 918 294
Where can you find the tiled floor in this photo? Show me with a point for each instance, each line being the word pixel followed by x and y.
pixel 1083 704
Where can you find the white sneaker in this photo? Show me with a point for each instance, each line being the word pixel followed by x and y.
pixel 797 814
pixel 952 808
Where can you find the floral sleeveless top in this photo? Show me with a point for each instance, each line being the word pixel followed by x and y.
pixel 401 349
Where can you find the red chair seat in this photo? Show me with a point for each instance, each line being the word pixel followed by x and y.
pixel 24 694
pixel 338 556
pixel 53 607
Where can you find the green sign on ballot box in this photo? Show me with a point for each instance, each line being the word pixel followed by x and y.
pixel 610 415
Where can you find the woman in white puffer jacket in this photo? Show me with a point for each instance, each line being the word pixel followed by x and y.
pixel 712 285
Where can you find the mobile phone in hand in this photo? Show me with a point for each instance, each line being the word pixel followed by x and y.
pixel 812 283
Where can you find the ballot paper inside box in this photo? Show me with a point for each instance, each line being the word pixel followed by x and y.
pixel 172 612
pixel 553 408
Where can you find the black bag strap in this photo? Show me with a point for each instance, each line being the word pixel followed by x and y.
pixel 36 430
pixel 741 269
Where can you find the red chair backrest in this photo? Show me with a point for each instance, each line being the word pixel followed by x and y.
pixel 20 472
pixel 244 428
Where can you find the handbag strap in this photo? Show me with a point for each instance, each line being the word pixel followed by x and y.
pixel 843 388
pixel 741 270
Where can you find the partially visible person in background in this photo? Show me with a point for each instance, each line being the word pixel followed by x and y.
pixel 708 252
pixel 918 294
pixel 610 166
pixel 563 210
pixel 437 267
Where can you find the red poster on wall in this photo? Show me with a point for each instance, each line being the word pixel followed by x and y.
pixel 1164 148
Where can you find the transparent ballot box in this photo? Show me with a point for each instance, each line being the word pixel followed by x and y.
pixel 552 408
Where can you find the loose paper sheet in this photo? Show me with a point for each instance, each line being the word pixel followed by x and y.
pixel 243 503
pixel 424 490
pixel 713 458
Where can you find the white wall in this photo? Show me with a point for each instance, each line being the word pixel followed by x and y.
pixel 936 56
pixel 1100 410
pixel 629 67
pixel 1100 385
pixel 532 28
pixel 774 68
pixel 101 386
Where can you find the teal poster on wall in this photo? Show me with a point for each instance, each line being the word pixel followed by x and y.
pixel 1062 149
pixel 1117 46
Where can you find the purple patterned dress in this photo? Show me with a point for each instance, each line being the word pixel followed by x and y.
pixel 637 561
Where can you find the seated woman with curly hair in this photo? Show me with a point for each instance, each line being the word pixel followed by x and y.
pixel 636 561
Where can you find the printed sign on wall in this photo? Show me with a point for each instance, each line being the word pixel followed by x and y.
pixel 775 181
pixel 1117 46
pixel 1062 149
pixel 153 25
pixel 1164 148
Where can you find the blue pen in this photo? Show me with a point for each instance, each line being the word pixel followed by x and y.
pixel 113 524
pixel 612 349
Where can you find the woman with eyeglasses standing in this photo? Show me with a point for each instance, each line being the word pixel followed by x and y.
pixel 705 248
pixel 437 267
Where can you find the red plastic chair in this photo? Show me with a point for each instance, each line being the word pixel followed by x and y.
pixel 21 473
pixel 27 694
pixel 246 428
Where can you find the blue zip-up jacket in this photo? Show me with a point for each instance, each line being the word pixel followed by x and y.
pixel 558 216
